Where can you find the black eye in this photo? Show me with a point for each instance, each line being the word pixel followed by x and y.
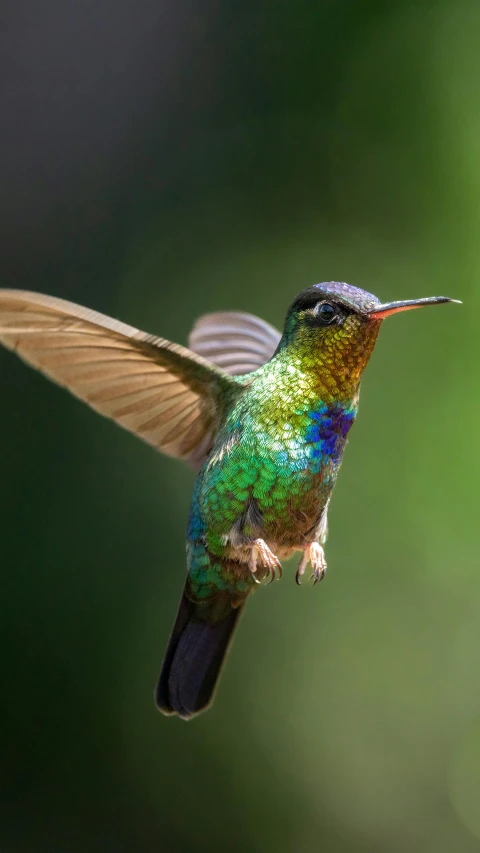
pixel 325 313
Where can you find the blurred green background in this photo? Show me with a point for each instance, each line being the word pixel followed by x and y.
pixel 159 160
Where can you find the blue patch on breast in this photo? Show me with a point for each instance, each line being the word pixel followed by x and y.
pixel 328 430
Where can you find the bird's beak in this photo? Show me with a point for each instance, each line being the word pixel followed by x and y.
pixel 382 311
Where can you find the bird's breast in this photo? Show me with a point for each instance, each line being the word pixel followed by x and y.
pixel 271 476
pixel 306 467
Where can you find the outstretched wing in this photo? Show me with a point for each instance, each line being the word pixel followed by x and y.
pixel 238 343
pixel 162 392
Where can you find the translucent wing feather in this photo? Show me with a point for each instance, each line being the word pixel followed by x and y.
pixel 160 391
pixel 238 343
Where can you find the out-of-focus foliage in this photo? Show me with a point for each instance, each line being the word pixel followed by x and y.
pixel 159 160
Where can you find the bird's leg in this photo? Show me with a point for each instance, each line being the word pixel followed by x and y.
pixel 318 562
pixel 315 555
pixel 267 558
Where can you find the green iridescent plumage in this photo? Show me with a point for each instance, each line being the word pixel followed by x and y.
pixel 263 418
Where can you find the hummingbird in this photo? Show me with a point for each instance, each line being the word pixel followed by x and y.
pixel 263 419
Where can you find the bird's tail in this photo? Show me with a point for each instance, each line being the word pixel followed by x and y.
pixel 194 658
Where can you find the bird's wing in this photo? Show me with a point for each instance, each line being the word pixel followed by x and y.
pixel 237 343
pixel 162 392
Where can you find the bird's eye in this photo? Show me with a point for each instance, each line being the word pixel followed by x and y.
pixel 325 313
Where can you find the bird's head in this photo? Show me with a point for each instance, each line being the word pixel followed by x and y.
pixel 333 327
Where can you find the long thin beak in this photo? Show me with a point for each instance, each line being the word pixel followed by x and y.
pixel 382 311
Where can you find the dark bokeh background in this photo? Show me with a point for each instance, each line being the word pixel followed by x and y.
pixel 162 159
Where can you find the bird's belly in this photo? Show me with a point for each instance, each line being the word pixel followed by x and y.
pixel 299 502
pixel 288 514
pixel 270 486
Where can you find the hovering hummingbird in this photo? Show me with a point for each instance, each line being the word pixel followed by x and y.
pixel 262 417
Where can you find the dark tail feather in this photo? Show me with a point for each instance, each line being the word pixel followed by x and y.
pixel 193 660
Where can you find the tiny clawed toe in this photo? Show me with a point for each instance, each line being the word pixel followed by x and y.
pixel 318 575
pixel 269 561
pixel 314 555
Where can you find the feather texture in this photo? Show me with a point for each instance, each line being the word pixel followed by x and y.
pixel 162 392
pixel 238 343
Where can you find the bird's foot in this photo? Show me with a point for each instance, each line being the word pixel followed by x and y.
pixel 315 555
pixel 268 560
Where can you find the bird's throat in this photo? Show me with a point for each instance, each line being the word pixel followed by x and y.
pixel 334 362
